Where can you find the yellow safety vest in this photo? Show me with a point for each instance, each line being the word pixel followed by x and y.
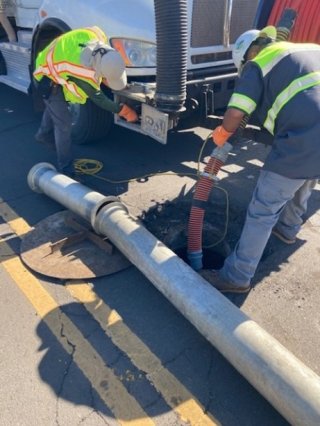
pixel 61 60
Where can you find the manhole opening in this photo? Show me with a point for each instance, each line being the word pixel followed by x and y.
pixel 211 258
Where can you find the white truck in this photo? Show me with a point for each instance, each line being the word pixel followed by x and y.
pixel 177 53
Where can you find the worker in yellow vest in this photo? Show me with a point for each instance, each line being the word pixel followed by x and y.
pixel 71 70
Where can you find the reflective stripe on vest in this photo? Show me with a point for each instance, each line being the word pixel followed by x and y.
pixel 76 70
pixel 272 55
pixel 242 102
pixel 57 79
pixel 58 64
pixel 296 86
pixel 42 69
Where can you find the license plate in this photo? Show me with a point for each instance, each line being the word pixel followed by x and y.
pixel 154 123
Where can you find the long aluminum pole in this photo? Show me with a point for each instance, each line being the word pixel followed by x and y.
pixel 289 385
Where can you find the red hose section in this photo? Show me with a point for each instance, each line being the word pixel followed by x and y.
pixel 306 28
pixel 195 229
pixel 202 193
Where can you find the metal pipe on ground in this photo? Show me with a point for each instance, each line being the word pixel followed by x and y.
pixel 289 385
pixel 68 192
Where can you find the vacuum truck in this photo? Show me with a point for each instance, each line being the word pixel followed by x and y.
pixel 177 54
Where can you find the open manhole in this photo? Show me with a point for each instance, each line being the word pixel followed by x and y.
pixel 169 223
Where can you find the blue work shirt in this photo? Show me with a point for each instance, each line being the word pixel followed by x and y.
pixel 281 87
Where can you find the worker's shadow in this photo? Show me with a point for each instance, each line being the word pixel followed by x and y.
pixel 82 364
pixel 63 367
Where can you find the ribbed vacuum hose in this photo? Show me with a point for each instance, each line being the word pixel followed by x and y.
pixel 172 48
pixel 200 198
pixel 206 181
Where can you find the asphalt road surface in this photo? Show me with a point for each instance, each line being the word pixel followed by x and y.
pixel 113 350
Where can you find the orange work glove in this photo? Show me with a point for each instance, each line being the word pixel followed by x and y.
pixel 220 135
pixel 128 114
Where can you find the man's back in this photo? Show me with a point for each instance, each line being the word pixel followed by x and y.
pixel 284 82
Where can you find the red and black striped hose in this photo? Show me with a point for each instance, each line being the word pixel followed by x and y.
pixel 200 198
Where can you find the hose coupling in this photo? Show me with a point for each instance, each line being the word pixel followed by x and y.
pixel 195 260
pixel 209 176
pixel 221 152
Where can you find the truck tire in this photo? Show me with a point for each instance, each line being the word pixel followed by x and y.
pixel 89 123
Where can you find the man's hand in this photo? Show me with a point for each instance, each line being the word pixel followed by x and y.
pixel 220 136
pixel 128 114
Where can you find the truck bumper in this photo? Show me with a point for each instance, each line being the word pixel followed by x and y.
pixel 207 95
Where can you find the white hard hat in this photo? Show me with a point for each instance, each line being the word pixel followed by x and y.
pixel 243 43
pixel 112 67
pixel 107 63
pixel 241 46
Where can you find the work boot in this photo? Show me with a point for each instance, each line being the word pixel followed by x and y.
pixel 282 237
pixel 46 139
pixel 213 277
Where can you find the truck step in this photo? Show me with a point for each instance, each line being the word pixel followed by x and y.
pixel 16 83
pixel 17 59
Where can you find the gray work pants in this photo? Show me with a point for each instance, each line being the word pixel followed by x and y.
pixel 291 217
pixel 57 119
pixel 277 200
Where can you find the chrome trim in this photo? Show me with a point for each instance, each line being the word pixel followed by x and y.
pixel 227 22
pixel 214 78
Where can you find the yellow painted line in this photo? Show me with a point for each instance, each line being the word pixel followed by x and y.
pixel 175 394
pixel 124 407
pixel 16 223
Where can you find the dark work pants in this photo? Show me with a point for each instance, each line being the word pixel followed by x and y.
pixel 57 118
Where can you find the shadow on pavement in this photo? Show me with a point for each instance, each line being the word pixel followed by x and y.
pixel 67 363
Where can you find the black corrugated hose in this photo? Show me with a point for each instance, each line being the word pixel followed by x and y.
pixel 172 46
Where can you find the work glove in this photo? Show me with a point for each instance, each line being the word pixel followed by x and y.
pixel 220 136
pixel 128 114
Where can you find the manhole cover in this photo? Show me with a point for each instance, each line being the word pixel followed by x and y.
pixel 64 246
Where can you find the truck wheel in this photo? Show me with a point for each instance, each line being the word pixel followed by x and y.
pixel 89 123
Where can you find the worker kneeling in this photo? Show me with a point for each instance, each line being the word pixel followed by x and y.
pixel 71 70
pixel 280 82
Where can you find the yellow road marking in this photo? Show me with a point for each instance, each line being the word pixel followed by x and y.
pixel 174 393
pixel 125 408
pixel 17 224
